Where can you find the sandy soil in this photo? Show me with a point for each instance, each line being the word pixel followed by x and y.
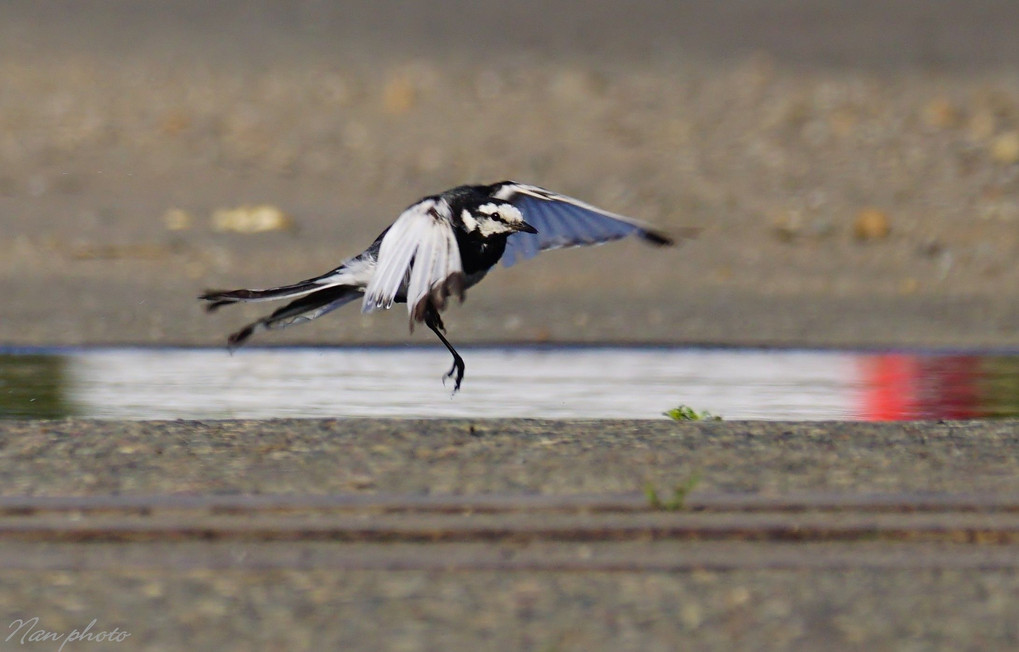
pixel 774 126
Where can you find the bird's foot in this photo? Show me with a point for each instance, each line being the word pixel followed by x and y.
pixel 456 372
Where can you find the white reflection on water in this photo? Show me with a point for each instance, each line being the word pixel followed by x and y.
pixel 405 382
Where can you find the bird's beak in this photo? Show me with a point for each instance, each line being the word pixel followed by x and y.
pixel 526 228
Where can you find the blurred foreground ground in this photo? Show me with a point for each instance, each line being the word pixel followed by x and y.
pixel 635 578
pixel 854 166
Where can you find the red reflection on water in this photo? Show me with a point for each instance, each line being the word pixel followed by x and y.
pixel 900 387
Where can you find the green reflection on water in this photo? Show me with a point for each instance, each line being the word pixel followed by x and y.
pixel 999 387
pixel 33 387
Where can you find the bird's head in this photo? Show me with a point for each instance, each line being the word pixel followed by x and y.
pixel 494 217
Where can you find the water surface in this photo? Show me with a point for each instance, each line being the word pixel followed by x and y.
pixel 560 382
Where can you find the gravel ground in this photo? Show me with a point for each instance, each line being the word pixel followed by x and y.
pixel 844 608
pixel 81 457
pixel 322 609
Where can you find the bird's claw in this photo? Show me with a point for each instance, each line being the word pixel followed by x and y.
pixel 456 372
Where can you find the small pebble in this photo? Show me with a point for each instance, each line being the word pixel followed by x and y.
pixel 399 95
pixel 175 219
pixel 251 219
pixel 982 125
pixel 940 113
pixel 1005 148
pixel 871 224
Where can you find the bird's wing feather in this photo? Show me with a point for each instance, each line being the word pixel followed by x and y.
pixel 563 221
pixel 418 254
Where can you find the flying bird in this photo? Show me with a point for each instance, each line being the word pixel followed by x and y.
pixel 436 249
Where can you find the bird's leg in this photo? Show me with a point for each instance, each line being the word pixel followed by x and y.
pixel 434 322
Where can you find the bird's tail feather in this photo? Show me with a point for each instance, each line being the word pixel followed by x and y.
pixel 304 309
pixel 217 298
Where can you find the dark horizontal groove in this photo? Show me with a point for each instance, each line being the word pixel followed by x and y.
pixel 947 527
pixel 578 518
pixel 253 504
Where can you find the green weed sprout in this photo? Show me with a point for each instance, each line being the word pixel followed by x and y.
pixel 679 494
pixel 687 413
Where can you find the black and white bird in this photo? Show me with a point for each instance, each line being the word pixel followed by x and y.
pixel 436 249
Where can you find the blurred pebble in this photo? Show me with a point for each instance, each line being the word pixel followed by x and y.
pixel 153 589
pixel 1005 148
pixel 982 125
pixel 175 219
pixel 940 113
pixel 793 224
pixel 737 597
pixel 788 226
pixel 251 219
pixel 999 210
pixel 399 95
pixel 335 89
pixel 843 122
pixel 691 614
pixel 175 122
pixel 871 224
pixel 931 248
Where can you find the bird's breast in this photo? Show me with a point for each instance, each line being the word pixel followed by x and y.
pixel 478 255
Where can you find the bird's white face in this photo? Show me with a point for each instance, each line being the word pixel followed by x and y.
pixel 494 219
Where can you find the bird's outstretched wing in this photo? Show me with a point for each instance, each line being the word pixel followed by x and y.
pixel 563 221
pixel 418 256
